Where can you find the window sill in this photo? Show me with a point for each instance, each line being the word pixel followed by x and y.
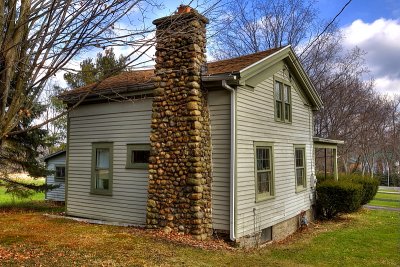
pixel 138 166
pixel 301 189
pixel 285 122
pixel 102 193
pixel 263 198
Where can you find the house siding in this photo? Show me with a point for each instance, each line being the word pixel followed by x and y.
pixel 256 123
pixel 57 194
pixel 127 123
pixel 219 106
pixel 121 123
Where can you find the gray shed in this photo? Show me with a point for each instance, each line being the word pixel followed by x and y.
pixel 56 162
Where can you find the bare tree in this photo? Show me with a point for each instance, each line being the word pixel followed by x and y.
pixel 38 38
pixel 251 26
pixel 352 111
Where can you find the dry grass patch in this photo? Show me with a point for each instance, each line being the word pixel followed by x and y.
pixel 31 239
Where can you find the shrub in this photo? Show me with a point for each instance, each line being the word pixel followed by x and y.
pixel 334 197
pixel 369 186
pixel 322 178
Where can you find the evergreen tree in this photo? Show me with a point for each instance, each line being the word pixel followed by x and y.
pixel 22 152
pixel 92 71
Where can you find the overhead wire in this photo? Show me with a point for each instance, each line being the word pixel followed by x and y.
pixel 326 28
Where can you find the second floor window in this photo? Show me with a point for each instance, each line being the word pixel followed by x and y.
pixel 283 102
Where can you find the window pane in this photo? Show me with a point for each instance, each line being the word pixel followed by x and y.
pixel 60 172
pixel 300 176
pixel 286 93
pixel 102 179
pixel 278 91
pixel 140 156
pixel 278 109
pixel 263 182
pixel 287 112
pixel 102 158
pixel 263 158
pixel 299 157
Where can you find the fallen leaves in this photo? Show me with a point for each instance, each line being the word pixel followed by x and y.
pixel 19 253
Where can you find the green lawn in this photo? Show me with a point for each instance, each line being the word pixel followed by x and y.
pixel 385 199
pixel 366 238
pixel 6 199
pixel 389 190
pixel 389 196
pixel 33 203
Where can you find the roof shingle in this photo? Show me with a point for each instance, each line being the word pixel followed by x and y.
pixel 141 77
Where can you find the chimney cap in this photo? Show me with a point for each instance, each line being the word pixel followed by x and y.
pixel 184 9
pixel 183 12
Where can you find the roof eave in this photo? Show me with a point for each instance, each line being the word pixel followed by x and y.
pixel 55 154
pixel 305 80
pixel 282 54
pixel 320 140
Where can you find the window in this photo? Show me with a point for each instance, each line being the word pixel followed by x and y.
pixel 59 174
pixel 283 109
pixel 286 98
pixel 137 156
pixel 102 159
pixel 263 171
pixel 300 165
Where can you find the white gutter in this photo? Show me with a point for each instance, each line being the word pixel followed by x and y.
pixel 232 200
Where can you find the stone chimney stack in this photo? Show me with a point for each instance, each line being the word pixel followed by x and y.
pixel 179 192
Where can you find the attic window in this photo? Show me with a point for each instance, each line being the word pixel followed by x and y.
pixel 283 102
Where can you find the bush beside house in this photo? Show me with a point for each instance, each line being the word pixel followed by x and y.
pixel 345 195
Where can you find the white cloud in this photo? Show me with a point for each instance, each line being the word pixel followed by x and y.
pixel 381 40
pixel 387 85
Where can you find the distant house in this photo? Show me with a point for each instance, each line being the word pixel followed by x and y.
pixel 229 150
pixel 56 163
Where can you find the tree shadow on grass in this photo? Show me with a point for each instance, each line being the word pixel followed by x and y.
pixel 32 206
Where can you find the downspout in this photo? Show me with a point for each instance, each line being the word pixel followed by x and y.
pixel 232 199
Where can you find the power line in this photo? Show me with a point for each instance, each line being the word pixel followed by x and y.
pixel 326 28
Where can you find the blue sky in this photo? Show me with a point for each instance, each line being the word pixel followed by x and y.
pixel 366 10
pixel 372 25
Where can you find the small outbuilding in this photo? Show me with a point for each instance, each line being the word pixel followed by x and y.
pixel 56 163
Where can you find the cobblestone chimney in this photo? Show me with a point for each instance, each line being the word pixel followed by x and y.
pixel 179 192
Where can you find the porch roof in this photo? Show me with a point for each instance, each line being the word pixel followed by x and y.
pixel 320 142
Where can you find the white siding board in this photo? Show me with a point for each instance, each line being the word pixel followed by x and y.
pixel 256 122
